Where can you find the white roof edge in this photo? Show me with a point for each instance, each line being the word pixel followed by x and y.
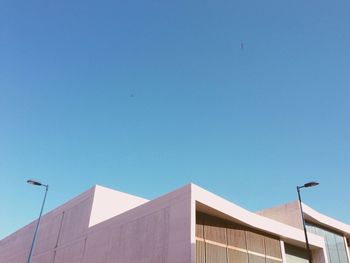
pixel 285 232
pixel 326 220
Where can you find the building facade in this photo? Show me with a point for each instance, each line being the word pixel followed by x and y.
pixel 187 225
pixel 334 233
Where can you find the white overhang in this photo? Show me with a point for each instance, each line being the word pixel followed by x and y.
pixel 212 204
pixel 313 216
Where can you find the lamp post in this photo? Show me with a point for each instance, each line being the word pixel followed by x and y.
pixel 36 183
pixel 310 184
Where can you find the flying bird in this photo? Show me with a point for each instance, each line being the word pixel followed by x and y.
pixel 242 45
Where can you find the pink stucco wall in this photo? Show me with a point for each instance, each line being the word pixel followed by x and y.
pixel 57 228
pixel 154 231
pixel 102 225
pixel 157 231
pixel 287 213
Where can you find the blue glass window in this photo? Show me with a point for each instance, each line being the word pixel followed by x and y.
pixel 336 250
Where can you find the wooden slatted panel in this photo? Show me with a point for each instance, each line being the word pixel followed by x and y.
pixel 236 237
pixel 255 242
pixel 215 230
pixel 215 254
pixel 200 252
pixel 273 247
pixel 235 256
pixel 199 225
pixel 256 259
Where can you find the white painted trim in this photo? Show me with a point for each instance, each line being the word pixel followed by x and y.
pixel 283 251
pixel 347 248
pixel 193 230
pixel 327 221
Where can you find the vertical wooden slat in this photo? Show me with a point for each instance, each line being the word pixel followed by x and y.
pixel 200 252
pixel 236 236
pixel 199 225
pixel 235 256
pixel 215 254
pixel 215 230
pixel 255 242
pixel 273 247
pixel 256 259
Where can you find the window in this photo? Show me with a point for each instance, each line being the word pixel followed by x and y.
pixel 335 243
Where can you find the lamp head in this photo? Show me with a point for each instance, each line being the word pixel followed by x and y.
pixel 311 184
pixel 33 182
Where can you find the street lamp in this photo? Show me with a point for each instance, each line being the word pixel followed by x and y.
pixel 36 183
pixel 310 184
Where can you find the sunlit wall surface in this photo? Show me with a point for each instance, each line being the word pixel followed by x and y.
pixel 336 247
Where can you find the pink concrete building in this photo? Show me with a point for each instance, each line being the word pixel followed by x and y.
pixel 184 226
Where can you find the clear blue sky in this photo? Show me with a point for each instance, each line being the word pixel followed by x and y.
pixel 147 96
